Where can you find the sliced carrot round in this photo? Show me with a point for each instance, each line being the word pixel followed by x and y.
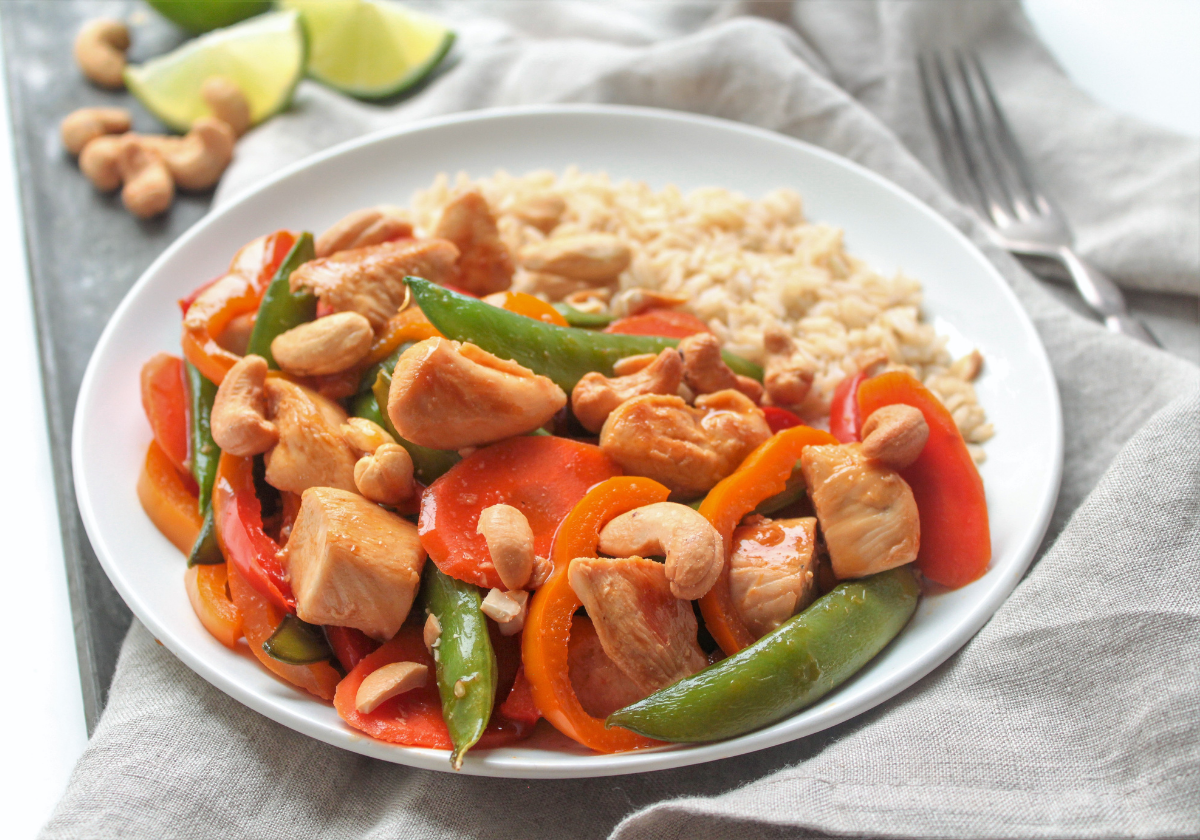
pixel 667 323
pixel 541 476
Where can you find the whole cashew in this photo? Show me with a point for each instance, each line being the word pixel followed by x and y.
pixel 98 161
pixel 638 300
pixel 386 475
pixel 100 52
pixel 695 551
pixel 239 423
pixel 86 124
pixel 895 435
pixel 786 378
pixel 705 372
pixel 361 228
pixel 510 543
pixel 596 396
pixel 197 160
pixel 149 189
pixel 327 345
pixel 227 102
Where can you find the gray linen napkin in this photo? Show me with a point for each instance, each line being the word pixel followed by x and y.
pixel 1074 712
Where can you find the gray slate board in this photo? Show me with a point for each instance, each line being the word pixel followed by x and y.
pixel 84 252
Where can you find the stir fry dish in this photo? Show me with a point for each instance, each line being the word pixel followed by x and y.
pixel 452 508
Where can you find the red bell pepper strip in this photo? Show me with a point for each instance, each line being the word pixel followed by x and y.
pixel 845 419
pixel 546 638
pixel 246 546
pixel 164 399
pixel 541 476
pixel 779 419
pixel 667 323
pixel 764 473
pixel 350 645
pixel 956 542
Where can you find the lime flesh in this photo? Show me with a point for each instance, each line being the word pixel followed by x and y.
pixel 370 48
pixel 265 56
pixel 204 15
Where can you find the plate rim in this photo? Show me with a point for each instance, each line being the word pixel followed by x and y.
pixel 953 639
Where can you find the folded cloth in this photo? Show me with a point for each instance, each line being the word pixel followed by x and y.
pixel 1073 712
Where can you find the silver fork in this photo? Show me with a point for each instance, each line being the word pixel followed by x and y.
pixel 988 171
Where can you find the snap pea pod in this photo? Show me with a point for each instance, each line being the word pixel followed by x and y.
pixel 563 354
pixel 587 320
pixel 297 642
pixel 281 308
pixel 465 661
pixel 204 456
pixel 803 660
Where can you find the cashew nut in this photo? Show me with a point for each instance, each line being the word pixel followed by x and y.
pixel 431 632
pixel 592 257
pixel 100 52
pixel 510 543
pixel 227 103
pixel 895 435
pixel 388 682
pixel 149 189
pixel 386 475
pixel 506 609
pixel 197 160
pixel 362 228
pixel 86 124
pixel 595 395
pixel 540 210
pixel 589 299
pixel 637 301
pixel 365 435
pixel 695 550
pixel 787 379
pixel 98 161
pixel 968 367
pixel 239 423
pixel 327 345
pixel 704 371
pixel 632 364
pixel 447 395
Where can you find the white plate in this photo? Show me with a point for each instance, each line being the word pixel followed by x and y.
pixel 965 297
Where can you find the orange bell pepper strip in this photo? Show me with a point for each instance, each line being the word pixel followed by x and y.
pixel 164 399
pixel 763 474
pixel 409 324
pixel 169 499
pixel 527 305
pixel 259 619
pixel 545 640
pixel 237 293
pixel 956 541
pixel 237 513
pixel 206 589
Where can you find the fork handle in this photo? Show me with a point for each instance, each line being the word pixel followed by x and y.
pixel 1104 297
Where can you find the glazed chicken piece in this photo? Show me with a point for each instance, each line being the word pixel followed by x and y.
pixel 772 571
pixel 600 685
pixel 648 632
pixel 370 280
pixel 484 263
pixel 866 510
pixel 351 563
pixel 311 451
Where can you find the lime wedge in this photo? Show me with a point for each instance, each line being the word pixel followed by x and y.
pixel 205 15
pixel 264 55
pixel 370 48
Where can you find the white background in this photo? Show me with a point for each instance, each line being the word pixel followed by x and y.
pixel 1138 56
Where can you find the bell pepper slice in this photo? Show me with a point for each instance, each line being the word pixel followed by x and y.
pixel 956 541
pixel 164 399
pixel 845 417
pixel 539 475
pixel 169 499
pixel 246 546
pixel 414 719
pixel 236 293
pixel 207 591
pixel 547 634
pixel 409 324
pixel 779 419
pixel 350 645
pixel 668 323
pixel 260 617
pixel 763 474
pixel 527 305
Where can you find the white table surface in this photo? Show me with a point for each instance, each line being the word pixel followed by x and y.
pixel 1136 56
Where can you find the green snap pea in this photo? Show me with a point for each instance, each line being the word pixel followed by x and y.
pixel 563 354
pixel 465 661
pixel 204 456
pixel 281 308
pixel 587 320
pixel 792 667
pixel 297 642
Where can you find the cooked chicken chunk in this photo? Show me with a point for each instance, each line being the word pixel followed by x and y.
pixel 646 630
pixel 484 263
pixel 352 563
pixel 687 449
pixel 370 280
pixel 600 685
pixel 772 571
pixel 311 451
pixel 866 510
